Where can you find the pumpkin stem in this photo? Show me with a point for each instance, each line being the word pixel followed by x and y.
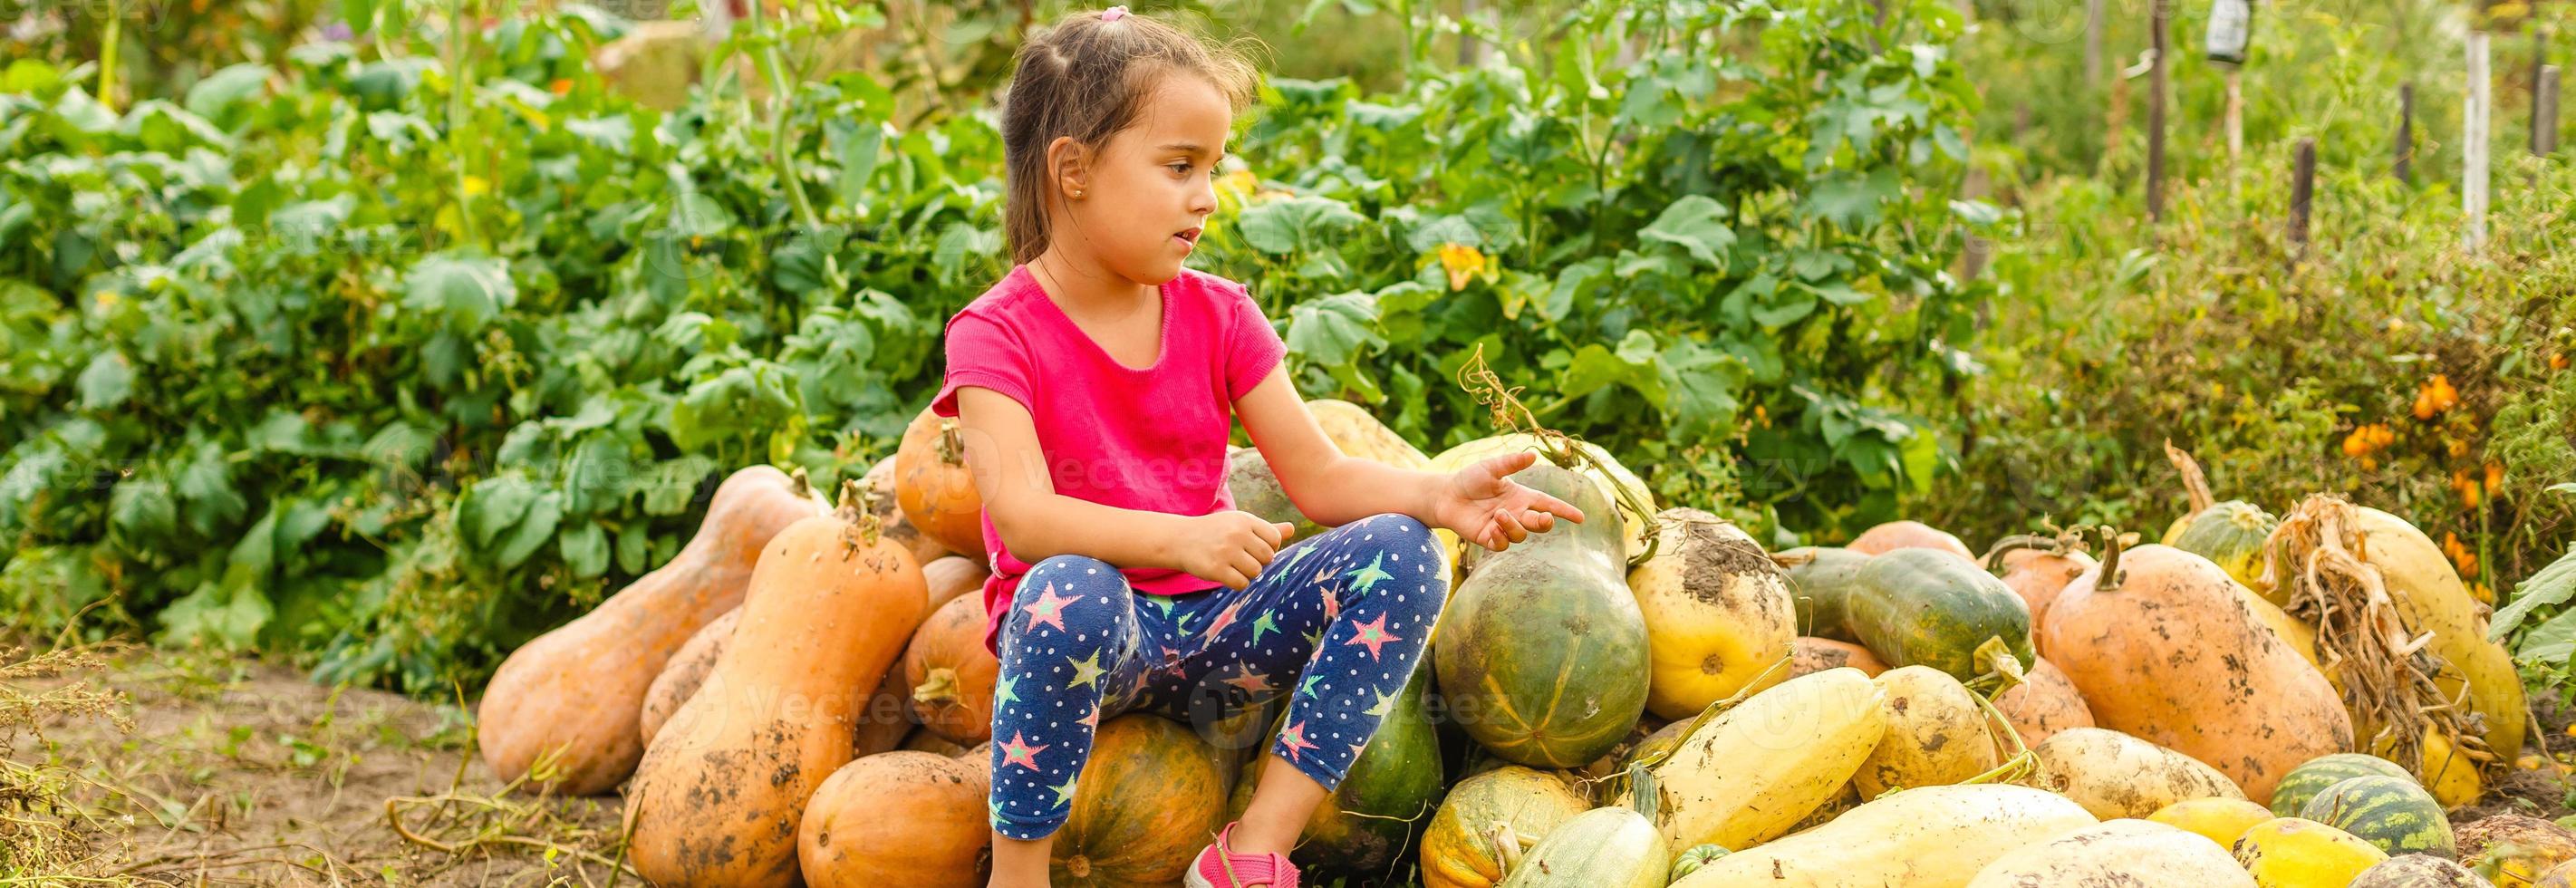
pixel 1507 847
pixel 940 686
pixel 802 485
pixel 2193 482
pixel 952 443
pixel 1643 794
pixel 2112 540
pixel 854 508
pixel 1504 405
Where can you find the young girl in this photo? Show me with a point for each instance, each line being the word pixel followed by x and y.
pixel 1095 384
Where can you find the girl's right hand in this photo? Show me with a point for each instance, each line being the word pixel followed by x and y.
pixel 1229 547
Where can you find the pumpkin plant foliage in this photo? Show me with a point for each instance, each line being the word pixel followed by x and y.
pixel 393 351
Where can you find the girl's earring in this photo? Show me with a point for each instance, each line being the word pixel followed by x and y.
pixel 1077 192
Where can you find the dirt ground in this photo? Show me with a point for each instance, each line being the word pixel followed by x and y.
pixel 241 772
pixel 237 771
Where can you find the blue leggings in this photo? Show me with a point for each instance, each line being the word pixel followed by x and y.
pixel 1348 610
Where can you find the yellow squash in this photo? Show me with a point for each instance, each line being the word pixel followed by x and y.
pixel 1754 771
pixel 2116 852
pixel 2116 775
pixel 2221 820
pixel 1933 837
pixel 1718 618
pixel 2292 853
pixel 1936 733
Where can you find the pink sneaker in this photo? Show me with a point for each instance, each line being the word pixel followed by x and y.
pixel 1219 867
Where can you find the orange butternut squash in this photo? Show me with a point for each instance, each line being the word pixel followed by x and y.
pixel 1894 535
pixel 887 506
pixel 576 694
pixel 951 674
pixel 902 818
pixel 1809 654
pixel 2043 704
pixel 935 490
pixel 2164 646
pixel 954 576
pixel 718 796
pixel 687 671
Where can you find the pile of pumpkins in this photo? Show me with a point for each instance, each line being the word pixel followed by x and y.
pixel 802 695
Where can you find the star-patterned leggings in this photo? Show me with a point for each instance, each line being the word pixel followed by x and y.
pixel 1338 620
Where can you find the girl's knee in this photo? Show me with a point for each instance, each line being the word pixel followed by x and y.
pixel 1074 594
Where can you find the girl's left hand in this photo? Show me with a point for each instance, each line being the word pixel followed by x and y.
pixel 1487 508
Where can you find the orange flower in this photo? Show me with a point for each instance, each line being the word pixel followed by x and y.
pixel 2558 361
pixel 2495 477
pixel 2458 447
pixel 2435 396
pixel 2466 560
pixel 2367 440
pixel 561 86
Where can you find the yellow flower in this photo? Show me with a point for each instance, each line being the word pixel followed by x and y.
pixel 2495 477
pixel 475 186
pixel 1464 263
pixel 107 298
pixel 1239 182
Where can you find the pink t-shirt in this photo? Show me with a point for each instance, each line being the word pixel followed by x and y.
pixel 1151 439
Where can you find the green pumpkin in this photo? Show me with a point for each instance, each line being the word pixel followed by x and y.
pixel 1613 847
pixel 1820 581
pixel 2291 795
pixel 1364 827
pixel 1542 651
pixel 2230 534
pixel 2394 813
pixel 1932 608
pixel 1256 490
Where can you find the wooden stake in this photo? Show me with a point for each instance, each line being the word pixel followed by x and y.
pixel 2473 188
pixel 2156 110
pixel 2406 133
pixel 2235 114
pixel 2093 24
pixel 2544 117
pixel 2539 73
pixel 2303 184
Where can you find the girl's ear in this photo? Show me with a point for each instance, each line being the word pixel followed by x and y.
pixel 1071 161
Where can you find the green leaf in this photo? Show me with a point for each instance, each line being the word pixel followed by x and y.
pixel 1849 200
pixel 584 547
pixel 2550 642
pixel 634 543
pixel 1286 225
pixel 1693 223
pixel 1796 301
pixel 470 290
pixel 2552 586
pixel 1332 330
pixel 107 382
pixel 742 402
pixel 220 91
pixel 141 511
pixel 1703 383
pixel 533 530
pixel 492 506
pixel 856 145
pixel 697 215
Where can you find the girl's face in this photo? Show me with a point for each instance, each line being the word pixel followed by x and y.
pixel 1145 195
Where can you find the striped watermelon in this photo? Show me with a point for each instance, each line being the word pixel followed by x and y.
pixel 2291 795
pixel 2394 813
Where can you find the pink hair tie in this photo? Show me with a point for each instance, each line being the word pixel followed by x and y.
pixel 1113 13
